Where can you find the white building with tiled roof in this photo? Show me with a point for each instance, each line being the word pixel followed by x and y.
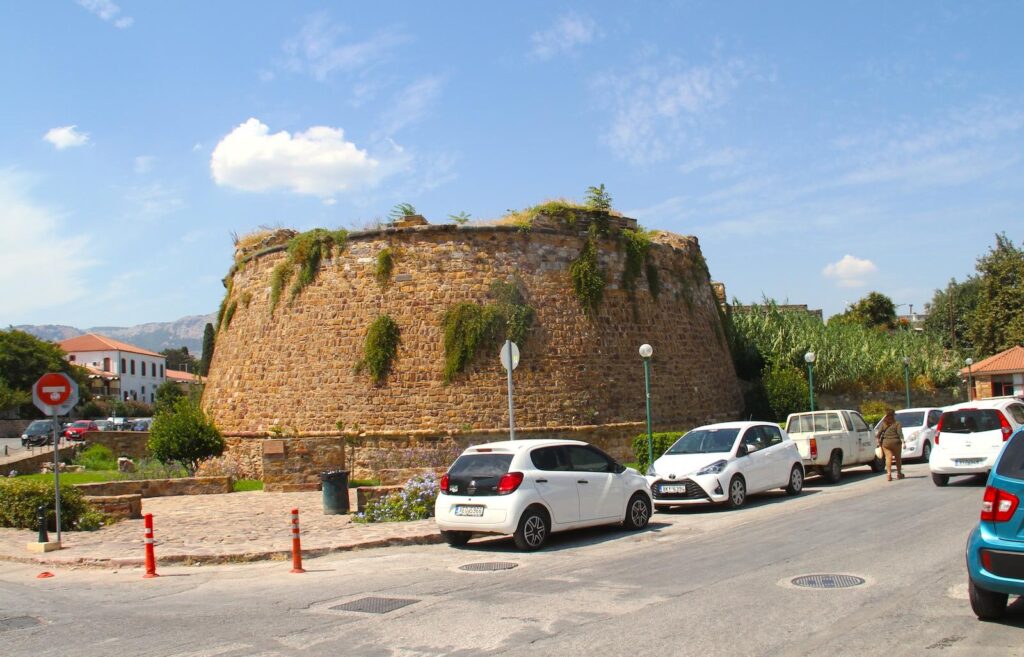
pixel 138 370
pixel 997 376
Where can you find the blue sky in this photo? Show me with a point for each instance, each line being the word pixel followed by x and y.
pixel 818 150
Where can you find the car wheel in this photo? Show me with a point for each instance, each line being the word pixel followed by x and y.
pixel 940 479
pixel 877 464
pixel 533 530
pixel 737 492
pixel 834 469
pixel 638 512
pixel 456 538
pixel 926 452
pixel 796 481
pixel 987 605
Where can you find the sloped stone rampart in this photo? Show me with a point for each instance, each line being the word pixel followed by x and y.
pixel 296 368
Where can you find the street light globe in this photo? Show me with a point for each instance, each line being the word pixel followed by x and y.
pixel 809 357
pixel 906 360
pixel 646 350
pixel 969 361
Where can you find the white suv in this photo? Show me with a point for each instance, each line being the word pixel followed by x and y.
pixel 530 488
pixel 969 436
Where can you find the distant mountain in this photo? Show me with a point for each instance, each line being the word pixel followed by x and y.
pixel 155 336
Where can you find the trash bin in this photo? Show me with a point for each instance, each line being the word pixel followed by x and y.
pixel 335 487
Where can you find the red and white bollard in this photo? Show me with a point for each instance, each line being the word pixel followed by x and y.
pixel 296 544
pixel 150 555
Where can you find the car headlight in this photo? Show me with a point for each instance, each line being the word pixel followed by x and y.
pixel 651 472
pixel 714 468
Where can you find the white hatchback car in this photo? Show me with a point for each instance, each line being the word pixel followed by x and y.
pixel 970 436
pixel 918 431
pixel 530 488
pixel 725 463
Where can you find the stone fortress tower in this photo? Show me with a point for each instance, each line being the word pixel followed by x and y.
pixel 297 386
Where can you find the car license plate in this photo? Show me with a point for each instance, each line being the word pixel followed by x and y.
pixel 968 461
pixel 474 511
pixel 673 489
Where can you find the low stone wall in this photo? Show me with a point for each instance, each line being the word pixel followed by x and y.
pixel 896 399
pixel 13 428
pixel 34 463
pixel 132 444
pixel 367 494
pixel 295 463
pixel 242 459
pixel 159 487
pixel 120 506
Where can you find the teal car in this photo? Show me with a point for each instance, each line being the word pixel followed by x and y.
pixel 995 549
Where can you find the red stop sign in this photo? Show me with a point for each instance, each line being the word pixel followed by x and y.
pixel 53 389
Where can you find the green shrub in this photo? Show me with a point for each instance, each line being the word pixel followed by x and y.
pixel 653 282
pixel 873 407
pixel 97 457
pixel 661 441
pixel 380 347
pixel 305 251
pixel 385 266
pixel 598 198
pixel 19 499
pixel 873 419
pixel 414 502
pixel 229 314
pixel 279 277
pixel 787 392
pixel 243 485
pixel 466 327
pixel 185 435
pixel 90 520
pixel 587 276
pixel 636 244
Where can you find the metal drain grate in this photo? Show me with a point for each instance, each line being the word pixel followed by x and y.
pixel 18 623
pixel 375 605
pixel 827 581
pixel 488 566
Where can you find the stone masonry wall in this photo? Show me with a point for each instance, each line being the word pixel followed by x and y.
pixel 296 368
pixel 133 444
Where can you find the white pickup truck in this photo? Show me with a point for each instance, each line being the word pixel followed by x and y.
pixel 831 440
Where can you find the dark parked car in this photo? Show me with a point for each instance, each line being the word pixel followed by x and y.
pixel 40 432
pixel 142 424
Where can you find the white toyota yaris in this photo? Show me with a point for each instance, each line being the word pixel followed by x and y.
pixel 725 463
pixel 530 488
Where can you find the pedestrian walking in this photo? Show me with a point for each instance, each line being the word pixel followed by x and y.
pixel 890 438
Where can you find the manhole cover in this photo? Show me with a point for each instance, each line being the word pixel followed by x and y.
pixel 488 566
pixel 375 605
pixel 827 581
pixel 18 623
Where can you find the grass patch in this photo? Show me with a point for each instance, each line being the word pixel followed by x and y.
pixel 244 485
pixel 356 483
pixel 72 478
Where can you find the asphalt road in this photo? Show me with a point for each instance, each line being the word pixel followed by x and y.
pixel 708 582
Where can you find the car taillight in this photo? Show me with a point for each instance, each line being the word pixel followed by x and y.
pixel 938 428
pixel 1004 426
pixel 998 505
pixel 509 482
pixel 444 483
pixel 814 448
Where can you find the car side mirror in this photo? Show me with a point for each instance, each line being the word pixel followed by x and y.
pixel 618 468
pixel 742 450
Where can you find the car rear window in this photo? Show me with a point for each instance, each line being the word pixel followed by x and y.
pixel 970 420
pixel 481 465
pixel 1011 463
pixel 910 419
pixel 39 425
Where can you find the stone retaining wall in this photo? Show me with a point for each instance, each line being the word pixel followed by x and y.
pixel 896 399
pixel 33 463
pixel 132 444
pixel 118 506
pixel 13 428
pixel 159 487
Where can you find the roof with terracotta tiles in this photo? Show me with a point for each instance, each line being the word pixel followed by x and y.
pixel 94 342
pixel 1011 360
pixel 181 377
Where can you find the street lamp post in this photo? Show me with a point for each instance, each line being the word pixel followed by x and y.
pixel 906 378
pixel 809 359
pixel 645 353
pixel 970 380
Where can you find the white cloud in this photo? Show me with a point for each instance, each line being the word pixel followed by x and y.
pixel 411 104
pixel 144 164
pixel 154 200
pixel 720 159
pixel 317 49
pixel 564 37
pixel 850 271
pixel 318 161
pixel 45 264
pixel 108 11
pixel 66 137
pixel 656 107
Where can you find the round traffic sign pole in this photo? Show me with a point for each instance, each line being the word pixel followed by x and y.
pixel 55 394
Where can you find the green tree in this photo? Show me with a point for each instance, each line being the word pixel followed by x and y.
pixel 11 397
pixel 950 312
pixel 179 359
pixel 873 311
pixel 167 394
pixel 185 435
pixel 209 338
pixel 598 198
pixel 787 391
pixel 24 358
pixel 998 320
pixel 401 210
pixel 461 218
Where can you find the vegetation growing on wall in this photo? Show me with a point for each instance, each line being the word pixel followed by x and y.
pixel 229 314
pixel 588 278
pixel 470 326
pixel 380 347
pixel 385 266
pixel 305 252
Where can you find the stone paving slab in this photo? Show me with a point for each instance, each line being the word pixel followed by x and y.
pixel 230 527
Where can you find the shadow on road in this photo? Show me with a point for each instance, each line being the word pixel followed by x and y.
pixel 848 477
pixel 754 501
pixel 568 540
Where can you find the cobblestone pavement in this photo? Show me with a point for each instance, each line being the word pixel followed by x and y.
pixel 218 528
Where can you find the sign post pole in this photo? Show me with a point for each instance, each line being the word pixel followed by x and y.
pixel 510 360
pixel 56 472
pixel 55 394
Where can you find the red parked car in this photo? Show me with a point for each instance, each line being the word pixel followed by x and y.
pixel 78 429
